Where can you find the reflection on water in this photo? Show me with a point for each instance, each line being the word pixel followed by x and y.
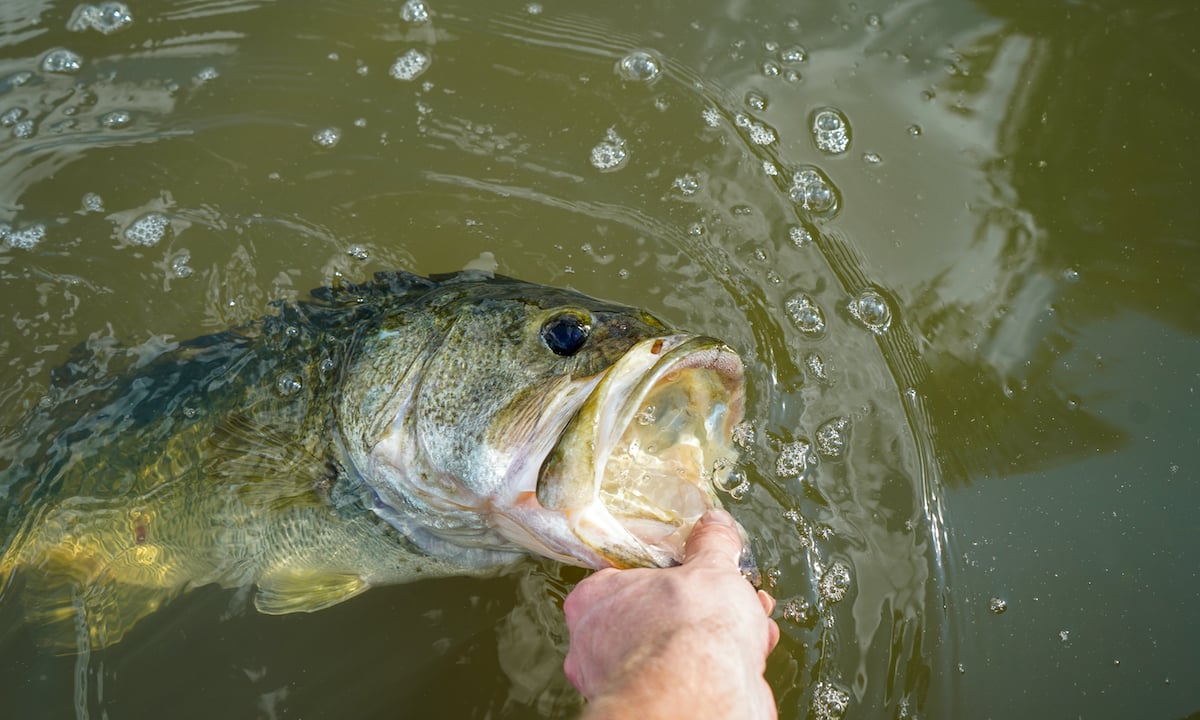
pixel 953 240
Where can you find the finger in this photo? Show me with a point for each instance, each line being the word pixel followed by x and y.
pixel 585 594
pixel 772 635
pixel 768 602
pixel 714 541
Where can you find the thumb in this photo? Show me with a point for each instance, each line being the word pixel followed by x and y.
pixel 715 541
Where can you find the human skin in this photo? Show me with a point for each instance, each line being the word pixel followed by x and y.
pixel 684 642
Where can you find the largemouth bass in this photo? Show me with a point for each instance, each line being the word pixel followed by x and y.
pixel 378 433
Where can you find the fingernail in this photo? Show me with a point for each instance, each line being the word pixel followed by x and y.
pixel 716 517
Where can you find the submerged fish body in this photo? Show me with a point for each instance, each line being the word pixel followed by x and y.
pixel 379 433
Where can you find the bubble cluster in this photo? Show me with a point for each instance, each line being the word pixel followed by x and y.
pixel 795 458
pixel 415 12
pixel 816 366
pixel 687 184
pixel 12 116
pixel 327 137
pixel 23 238
pixel 831 131
pixel 180 267
pixel 805 314
pixel 105 18
pixel 800 236
pixel 800 612
pixel 24 129
pixel 92 202
pixel 206 74
pixel 288 384
pixel 759 133
pixel 829 702
pixel 358 252
pixel 712 117
pixel 872 310
pixel 609 154
pixel 793 55
pixel 409 65
pixel 62 62
pixel 997 605
pixel 872 158
pixel 756 101
pixel 644 66
pixel 148 229
pixel 831 437
pixel 834 582
pixel 812 191
pixel 743 434
pixel 116 119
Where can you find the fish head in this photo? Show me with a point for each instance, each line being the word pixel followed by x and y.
pixel 570 427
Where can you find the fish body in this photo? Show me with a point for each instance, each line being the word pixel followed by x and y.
pixel 379 433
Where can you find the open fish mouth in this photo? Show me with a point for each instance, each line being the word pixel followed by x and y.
pixel 637 465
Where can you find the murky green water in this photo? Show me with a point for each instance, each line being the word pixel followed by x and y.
pixel 1019 428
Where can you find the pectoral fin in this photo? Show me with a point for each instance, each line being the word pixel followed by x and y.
pixel 305 590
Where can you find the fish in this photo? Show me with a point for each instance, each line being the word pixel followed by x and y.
pixel 375 433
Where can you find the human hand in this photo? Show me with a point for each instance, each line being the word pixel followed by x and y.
pixel 689 641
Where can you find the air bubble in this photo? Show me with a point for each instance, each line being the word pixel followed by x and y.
pixel 62 62
pixel 645 416
pixel 609 154
pixel 812 191
pixel 795 458
pixel 835 582
pixel 533 8
pixel 831 131
pixel 206 74
pixel 148 229
pixel 25 238
pixel 414 11
pixel 105 18
pixel 872 310
pixel 288 384
pixel 409 65
pixel 805 314
pixel 914 130
pixel 831 437
pixel 829 702
pixel 794 55
pixel 687 184
pixel 1071 275
pixel 12 116
pixel 997 605
pixel 800 612
pixel 871 158
pixel 116 119
pixel 190 412
pixel 874 21
pixel 180 267
pixel 756 101
pixel 327 137
pixel 770 68
pixel 326 365
pixel 800 236
pixel 643 66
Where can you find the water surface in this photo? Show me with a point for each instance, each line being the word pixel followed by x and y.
pixel 955 241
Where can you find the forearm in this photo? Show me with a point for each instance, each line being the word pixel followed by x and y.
pixel 693 675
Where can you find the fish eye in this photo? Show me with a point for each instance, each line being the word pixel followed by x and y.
pixel 566 333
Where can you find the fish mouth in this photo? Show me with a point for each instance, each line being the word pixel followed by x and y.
pixel 637 465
